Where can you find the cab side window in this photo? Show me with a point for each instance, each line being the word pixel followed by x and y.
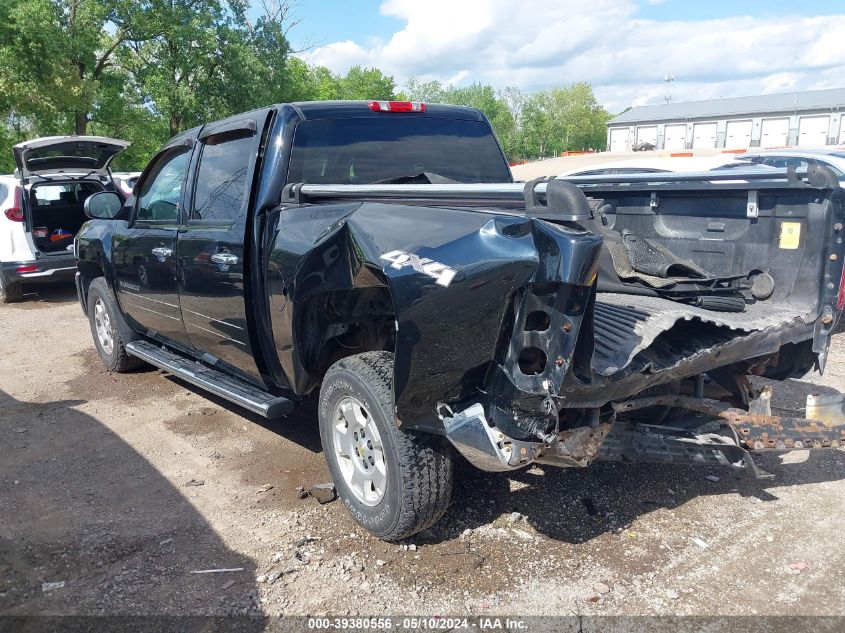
pixel 161 191
pixel 221 188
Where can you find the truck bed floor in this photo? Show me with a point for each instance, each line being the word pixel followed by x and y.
pixel 625 325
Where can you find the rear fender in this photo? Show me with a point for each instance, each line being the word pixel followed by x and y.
pixel 457 281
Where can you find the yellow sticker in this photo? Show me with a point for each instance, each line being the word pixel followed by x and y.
pixel 790 235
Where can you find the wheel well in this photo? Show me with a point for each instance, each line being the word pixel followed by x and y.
pixel 342 323
pixel 88 272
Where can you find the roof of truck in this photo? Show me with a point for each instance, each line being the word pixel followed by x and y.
pixel 348 109
pixel 341 110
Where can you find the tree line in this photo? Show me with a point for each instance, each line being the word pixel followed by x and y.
pixel 144 70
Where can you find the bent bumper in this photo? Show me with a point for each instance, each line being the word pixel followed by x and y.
pixel 40 270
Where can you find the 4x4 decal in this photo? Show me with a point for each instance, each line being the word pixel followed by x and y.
pixel 441 273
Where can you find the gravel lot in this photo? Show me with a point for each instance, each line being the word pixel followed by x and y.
pixel 120 486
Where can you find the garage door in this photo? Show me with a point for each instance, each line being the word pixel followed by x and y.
pixel 619 139
pixel 812 130
pixel 738 134
pixel 675 136
pixel 703 135
pixel 774 132
pixel 647 134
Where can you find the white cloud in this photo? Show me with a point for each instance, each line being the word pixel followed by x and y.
pixel 540 43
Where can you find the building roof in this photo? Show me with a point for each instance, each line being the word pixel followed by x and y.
pixel 735 106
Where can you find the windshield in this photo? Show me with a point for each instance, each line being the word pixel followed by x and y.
pixel 358 151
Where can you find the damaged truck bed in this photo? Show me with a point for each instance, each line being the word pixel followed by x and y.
pixel 593 358
pixel 380 254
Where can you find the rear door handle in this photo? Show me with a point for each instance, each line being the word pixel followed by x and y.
pixel 225 258
pixel 161 251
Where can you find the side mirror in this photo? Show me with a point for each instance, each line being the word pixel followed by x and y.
pixel 103 205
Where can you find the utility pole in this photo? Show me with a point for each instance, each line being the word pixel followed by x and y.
pixel 668 79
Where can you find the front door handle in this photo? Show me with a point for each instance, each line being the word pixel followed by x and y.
pixel 227 259
pixel 162 251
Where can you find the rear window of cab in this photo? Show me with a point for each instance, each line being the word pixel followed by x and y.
pixel 367 150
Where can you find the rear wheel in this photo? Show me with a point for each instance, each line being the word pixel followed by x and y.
pixel 395 483
pixel 10 292
pixel 103 315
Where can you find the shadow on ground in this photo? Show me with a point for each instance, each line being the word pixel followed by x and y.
pixel 36 295
pixel 80 507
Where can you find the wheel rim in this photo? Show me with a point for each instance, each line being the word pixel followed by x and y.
pixel 359 451
pixel 102 324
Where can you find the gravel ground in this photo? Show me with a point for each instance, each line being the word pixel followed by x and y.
pixel 121 486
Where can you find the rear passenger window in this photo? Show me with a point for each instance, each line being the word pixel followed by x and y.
pixel 220 192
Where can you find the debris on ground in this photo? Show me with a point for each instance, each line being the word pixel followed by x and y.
pixel 798 566
pixel 166 541
pixel 712 478
pixel 601 588
pixel 301 558
pixel 305 540
pixel 274 575
pixel 591 508
pixel 49 586
pixel 217 571
pixel 20 429
pixel 228 584
pixel 323 493
pixel 265 488
pixel 672 594
pixel 700 542
pixel 195 482
pixel 513 517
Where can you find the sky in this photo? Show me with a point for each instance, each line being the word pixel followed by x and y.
pixel 625 48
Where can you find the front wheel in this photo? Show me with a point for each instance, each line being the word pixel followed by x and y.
pixel 394 483
pixel 103 315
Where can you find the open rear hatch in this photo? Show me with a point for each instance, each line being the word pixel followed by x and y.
pixel 58 173
pixel 77 155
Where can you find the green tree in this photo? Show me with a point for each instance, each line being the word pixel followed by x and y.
pixel 55 54
pixel 366 83
pixel 178 64
pixel 560 119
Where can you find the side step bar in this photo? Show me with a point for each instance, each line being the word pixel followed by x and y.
pixel 218 383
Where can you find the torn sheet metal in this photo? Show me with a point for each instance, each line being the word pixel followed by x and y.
pixel 627 324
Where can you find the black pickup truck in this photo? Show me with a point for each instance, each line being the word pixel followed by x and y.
pixel 381 253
